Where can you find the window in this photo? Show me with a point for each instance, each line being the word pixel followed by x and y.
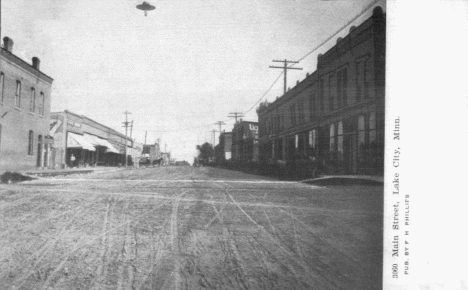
pixel 344 86
pixel 313 138
pixel 0 136
pixel 300 108
pixel 330 94
pixel 361 131
pixel 293 114
pixel 2 80
pixel 312 107
pixel 18 95
pixel 338 89
pixel 31 143
pixel 366 79
pixel 372 128
pixel 332 137
pixel 32 103
pixel 321 97
pixel 40 104
pixel 340 137
pixel 362 79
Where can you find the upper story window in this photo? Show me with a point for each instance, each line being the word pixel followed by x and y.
pixel 362 79
pixel 331 99
pixel 2 80
pixel 300 108
pixel 342 88
pixel 40 104
pixel 32 103
pixel 292 108
pixel 322 95
pixel 18 95
pixel 31 143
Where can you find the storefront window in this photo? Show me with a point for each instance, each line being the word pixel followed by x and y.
pixel 340 137
pixel 372 128
pixel 332 137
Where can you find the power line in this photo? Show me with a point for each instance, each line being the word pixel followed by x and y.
pixel 315 48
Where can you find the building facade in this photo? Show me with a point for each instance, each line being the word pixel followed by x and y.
pixel 80 141
pixel 223 150
pixel 336 115
pixel 24 112
pixel 245 141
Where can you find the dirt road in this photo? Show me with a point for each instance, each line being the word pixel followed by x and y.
pixel 188 228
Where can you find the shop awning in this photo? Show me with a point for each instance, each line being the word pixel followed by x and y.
pixel 111 148
pixel 78 141
pixel 96 141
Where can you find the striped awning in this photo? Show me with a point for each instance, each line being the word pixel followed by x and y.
pixel 78 141
pixel 96 141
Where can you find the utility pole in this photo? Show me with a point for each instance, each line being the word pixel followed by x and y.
pixel 131 131
pixel 214 134
pixel 146 133
pixel 220 123
pixel 235 115
pixel 286 67
pixel 126 130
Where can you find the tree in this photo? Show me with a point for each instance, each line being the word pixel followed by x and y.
pixel 205 152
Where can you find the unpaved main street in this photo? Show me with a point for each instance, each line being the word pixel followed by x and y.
pixel 188 228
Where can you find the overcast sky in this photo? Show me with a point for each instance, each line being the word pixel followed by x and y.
pixel 179 70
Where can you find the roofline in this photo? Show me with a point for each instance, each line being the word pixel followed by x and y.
pixel 84 117
pixel 23 62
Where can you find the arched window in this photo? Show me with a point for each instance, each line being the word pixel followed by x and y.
pixel 18 95
pixel 32 103
pixel 31 143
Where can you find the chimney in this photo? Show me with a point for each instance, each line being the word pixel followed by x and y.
pixel 8 43
pixel 36 62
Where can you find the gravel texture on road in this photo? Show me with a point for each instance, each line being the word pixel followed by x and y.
pixel 188 228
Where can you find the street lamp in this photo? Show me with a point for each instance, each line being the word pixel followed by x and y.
pixel 145 6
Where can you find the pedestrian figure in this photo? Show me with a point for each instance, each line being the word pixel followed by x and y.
pixel 72 160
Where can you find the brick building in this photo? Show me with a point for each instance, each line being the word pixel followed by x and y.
pixel 24 112
pixel 89 142
pixel 223 151
pixel 336 114
pixel 245 141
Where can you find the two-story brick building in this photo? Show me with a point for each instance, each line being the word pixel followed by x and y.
pixel 24 112
pixel 245 141
pixel 336 114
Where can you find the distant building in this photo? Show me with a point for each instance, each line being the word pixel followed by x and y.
pixel 81 141
pixel 336 115
pixel 24 112
pixel 245 141
pixel 223 150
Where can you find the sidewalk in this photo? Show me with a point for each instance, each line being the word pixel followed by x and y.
pixel 68 171
pixel 346 180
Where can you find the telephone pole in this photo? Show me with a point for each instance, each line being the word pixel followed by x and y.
pixel 220 123
pixel 235 115
pixel 126 131
pixel 285 68
pixel 214 134
pixel 131 131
